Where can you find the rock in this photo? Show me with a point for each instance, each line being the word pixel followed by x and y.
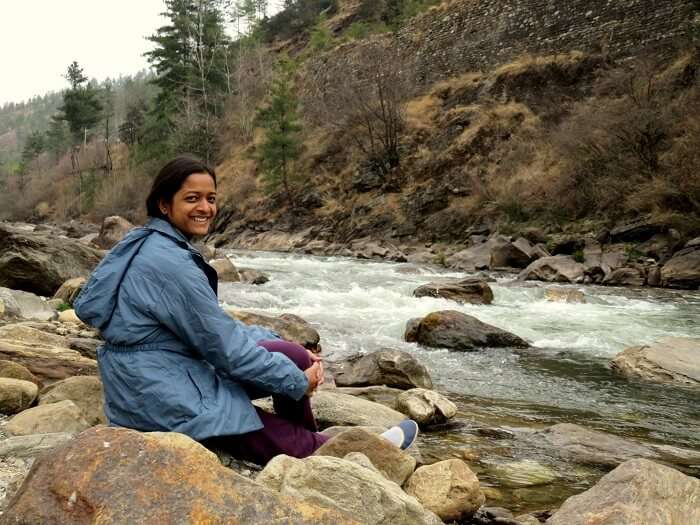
pixel 343 485
pixel 636 231
pixel 226 270
pixel 388 459
pixel 523 473
pixel 250 276
pixel 474 258
pixel 559 268
pixel 661 245
pixel 16 395
pixel 13 370
pixel 629 276
pixel 85 391
pixel 638 492
pixel 534 235
pixel 505 254
pixel 458 331
pixel 654 276
pixel 40 263
pixel 32 445
pixel 392 368
pixel 448 488
pixel 86 346
pixel 564 295
pixel 426 407
pixel 378 394
pixel 332 408
pixel 70 289
pixel 208 251
pixel 113 230
pixel 69 316
pixel 45 360
pixel 693 243
pixel 115 475
pixel 566 244
pixel 290 327
pixel 27 334
pixel 26 305
pixel 587 446
pixel 64 416
pixel 371 249
pixel 672 360
pixel 360 459
pixel 470 291
pixel 682 270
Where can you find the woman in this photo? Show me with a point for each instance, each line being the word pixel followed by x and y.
pixel 173 360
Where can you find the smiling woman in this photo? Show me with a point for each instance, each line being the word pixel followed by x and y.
pixel 173 360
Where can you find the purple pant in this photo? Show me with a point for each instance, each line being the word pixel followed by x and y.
pixel 291 430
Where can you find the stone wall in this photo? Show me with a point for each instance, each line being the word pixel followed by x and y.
pixel 469 35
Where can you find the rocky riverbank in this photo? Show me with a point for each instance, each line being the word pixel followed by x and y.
pixel 51 392
pixel 641 253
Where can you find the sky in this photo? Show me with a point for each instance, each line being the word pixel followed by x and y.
pixel 40 38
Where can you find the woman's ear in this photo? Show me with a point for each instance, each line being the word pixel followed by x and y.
pixel 163 207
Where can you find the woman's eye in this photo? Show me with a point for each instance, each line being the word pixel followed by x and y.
pixel 191 198
pixel 212 200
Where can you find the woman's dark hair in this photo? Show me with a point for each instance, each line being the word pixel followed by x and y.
pixel 170 179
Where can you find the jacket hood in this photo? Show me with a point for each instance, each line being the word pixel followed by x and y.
pixel 98 299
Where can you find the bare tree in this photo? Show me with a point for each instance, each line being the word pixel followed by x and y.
pixel 368 105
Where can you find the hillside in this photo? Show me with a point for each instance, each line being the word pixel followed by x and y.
pixel 497 134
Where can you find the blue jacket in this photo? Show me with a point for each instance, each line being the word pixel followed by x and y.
pixel 173 360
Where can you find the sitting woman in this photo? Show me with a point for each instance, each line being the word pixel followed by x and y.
pixel 173 360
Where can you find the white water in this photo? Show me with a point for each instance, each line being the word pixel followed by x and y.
pixel 360 306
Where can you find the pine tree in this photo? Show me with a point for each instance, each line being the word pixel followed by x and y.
pixel 190 62
pixel 81 107
pixel 282 124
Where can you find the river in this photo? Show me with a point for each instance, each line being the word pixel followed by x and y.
pixel 502 395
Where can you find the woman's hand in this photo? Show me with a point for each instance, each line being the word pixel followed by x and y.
pixel 315 375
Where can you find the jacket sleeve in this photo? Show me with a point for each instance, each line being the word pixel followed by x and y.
pixel 188 307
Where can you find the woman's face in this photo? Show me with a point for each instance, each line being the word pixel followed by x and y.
pixel 193 207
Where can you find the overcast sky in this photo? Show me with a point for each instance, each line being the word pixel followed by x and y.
pixel 40 38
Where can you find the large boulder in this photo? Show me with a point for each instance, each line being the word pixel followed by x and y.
pixel 627 276
pixel 25 305
pixel 682 270
pixel 69 290
pixel 583 445
pixel 558 268
pixel 477 257
pixel 226 270
pixel 333 408
pixel 392 368
pixel 672 360
pixel 636 231
pixel 506 254
pixel 45 355
pixel 40 262
pixel 16 395
pixel 638 492
pixel 32 445
pixel 387 458
pixel 426 407
pixel 289 326
pixel 470 291
pixel 64 416
pixel 347 487
pixel 448 488
pixel 16 371
pixel 85 391
pixel 458 331
pixel 113 230
pixel 114 475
